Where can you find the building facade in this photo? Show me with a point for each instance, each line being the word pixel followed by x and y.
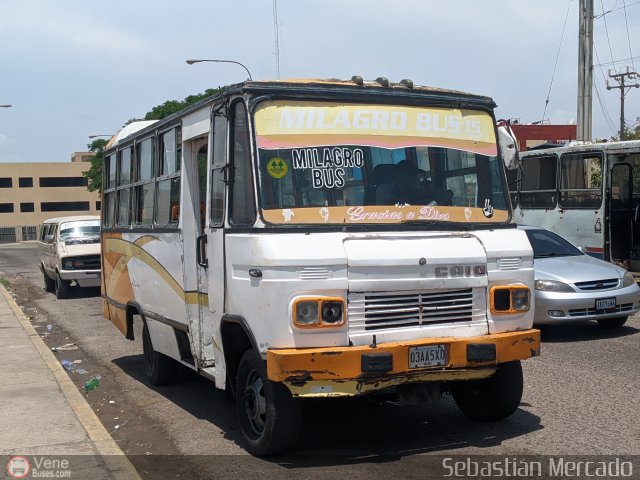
pixel 33 192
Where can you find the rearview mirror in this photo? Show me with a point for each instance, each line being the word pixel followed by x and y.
pixel 48 238
pixel 508 145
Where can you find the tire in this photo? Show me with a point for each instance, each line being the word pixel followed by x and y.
pixel 493 398
pixel 61 287
pixel 159 369
pixel 612 322
pixel 49 283
pixel 269 416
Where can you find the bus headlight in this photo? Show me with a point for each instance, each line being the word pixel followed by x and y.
pixel 318 312
pixel 306 313
pixel 510 299
pixel 67 264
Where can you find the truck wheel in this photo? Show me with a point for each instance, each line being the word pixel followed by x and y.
pixel 612 322
pixel 62 287
pixel 49 283
pixel 159 369
pixel 492 398
pixel 269 416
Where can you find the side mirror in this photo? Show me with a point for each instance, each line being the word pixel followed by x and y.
pixel 508 146
pixel 48 238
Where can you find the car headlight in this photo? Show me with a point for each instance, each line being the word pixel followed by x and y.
pixel 553 286
pixel 628 280
pixel 320 312
pixel 67 264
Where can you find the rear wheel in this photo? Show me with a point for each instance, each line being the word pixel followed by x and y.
pixel 159 369
pixel 492 398
pixel 269 416
pixel 612 322
pixel 62 287
pixel 49 283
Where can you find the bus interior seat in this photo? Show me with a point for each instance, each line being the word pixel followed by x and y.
pixel 383 173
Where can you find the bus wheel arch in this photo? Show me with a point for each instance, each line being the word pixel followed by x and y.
pixel 236 339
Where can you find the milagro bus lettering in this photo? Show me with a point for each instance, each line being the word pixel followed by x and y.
pixel 327 165
pixel 380 120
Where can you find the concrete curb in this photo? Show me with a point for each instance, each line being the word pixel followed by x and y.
pixel 116 461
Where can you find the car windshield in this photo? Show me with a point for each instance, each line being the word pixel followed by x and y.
pixel 80 232
pixel 547 244
pixel 327 163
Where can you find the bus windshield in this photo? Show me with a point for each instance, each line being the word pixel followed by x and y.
pixel 326 163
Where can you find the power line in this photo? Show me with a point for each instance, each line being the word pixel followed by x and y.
pixel 628 36
pixel 620 60
pixel 606 29
pixel 607 117
pixel 546 103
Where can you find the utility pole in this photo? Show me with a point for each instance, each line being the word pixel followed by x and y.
pixel 585 71
pixel 619 77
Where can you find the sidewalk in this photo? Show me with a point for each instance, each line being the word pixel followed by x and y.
pixel 42 412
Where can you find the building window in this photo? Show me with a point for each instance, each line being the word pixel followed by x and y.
pixel 64 206
pixel 6 182
pixel 27 207
pixel 25 182
pixel 98 205
pixel 63 181
pixel 6 207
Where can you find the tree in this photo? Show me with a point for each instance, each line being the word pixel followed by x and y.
pixel 94 174
pixel 633 132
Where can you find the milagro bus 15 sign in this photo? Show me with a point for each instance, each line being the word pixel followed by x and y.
pixel 326 139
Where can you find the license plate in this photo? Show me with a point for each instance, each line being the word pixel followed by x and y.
pixel 428 356
pixel 605 303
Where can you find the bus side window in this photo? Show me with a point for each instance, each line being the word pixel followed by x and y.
pixel 218 170
pixel 539 182
pixel 242 208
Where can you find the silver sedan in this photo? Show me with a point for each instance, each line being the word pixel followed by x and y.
pixel 571 286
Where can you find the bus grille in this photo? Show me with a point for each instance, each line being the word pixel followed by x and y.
pixel 598 284
pixel 390 310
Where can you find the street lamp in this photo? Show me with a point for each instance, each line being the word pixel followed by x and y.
pixel 191 61
pixel 101 135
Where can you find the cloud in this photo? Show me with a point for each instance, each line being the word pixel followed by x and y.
pixel 35 23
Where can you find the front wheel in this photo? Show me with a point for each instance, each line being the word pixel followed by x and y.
pixel 612 322
pixel 493 398
pixel 61 286
pixel 49 283
pixel 269 416
pixel 159 369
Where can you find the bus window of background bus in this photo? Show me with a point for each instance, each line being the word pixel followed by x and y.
pixel 581 180
pixel 243 210
pixel 124 186
pixel 218 169
pixel 513 180
pixel 538 185
pixel 109 190
pixel 144 183
pixel 168 210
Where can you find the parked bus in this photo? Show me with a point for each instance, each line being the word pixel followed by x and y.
pixel 321 238
pixel 588 193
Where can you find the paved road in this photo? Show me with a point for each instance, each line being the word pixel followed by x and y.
pixel 581 397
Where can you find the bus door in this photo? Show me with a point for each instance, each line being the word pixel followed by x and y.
pixel 621 214
pixel 210 249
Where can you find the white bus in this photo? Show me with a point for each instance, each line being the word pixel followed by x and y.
pixel 588 193
pixel 321 238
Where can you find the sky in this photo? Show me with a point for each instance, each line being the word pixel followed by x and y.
pixel 74 68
